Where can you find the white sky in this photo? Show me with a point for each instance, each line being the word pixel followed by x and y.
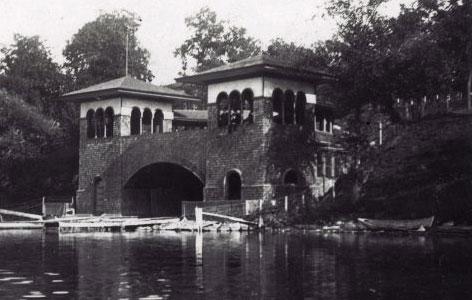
pixel 163 28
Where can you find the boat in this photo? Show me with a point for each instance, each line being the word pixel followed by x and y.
pixel 402 225
pixel 235 226
pixel 213 227
pixel 225 227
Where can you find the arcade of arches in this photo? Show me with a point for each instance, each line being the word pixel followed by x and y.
pixel 100 122
pixel 159 189
pixel 287 108
pixel 236 108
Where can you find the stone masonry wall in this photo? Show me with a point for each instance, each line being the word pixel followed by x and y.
pixel 116 159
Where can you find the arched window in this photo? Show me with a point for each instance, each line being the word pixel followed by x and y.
pixel 147 121
pixel 90 123
pixel 277 106
pixel 235 103
pixel 289 106
pixel 291 177
pixel 135 121
pixel 100 122
pixel 222 109
pixel 300 108
pixel 158 122
pixel 233 185
pixel 109 120
pixel 248 106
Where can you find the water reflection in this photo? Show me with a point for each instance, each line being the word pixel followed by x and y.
pixel 227 266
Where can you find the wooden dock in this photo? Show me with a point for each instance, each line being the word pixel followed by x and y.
pixel 117 223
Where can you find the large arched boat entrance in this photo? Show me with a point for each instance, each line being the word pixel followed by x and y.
pixel 158 190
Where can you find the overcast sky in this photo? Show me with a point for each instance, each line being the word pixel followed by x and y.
pixel 163 28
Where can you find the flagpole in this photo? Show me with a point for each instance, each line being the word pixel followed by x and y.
pixel 126 62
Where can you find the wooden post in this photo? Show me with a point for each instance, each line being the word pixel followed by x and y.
pixel 260 223
pixel 286 203
pixel 43 206
pixel 140 125
pixel 380 133
pixel 199 218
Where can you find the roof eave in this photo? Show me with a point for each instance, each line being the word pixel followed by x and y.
pixel 262 69
pixel 96 95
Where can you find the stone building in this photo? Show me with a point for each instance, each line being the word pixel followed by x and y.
pixel 265 135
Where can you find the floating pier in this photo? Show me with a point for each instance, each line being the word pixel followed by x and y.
pixel 116 223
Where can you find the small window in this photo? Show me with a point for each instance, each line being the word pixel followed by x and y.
pixel 233 185
pixel 291 177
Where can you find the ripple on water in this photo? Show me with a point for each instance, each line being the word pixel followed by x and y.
pixel 23 282
pixel 6 273
pixel 12 278
pixel 60 292
pixel 57 280
pixel 51 274
pixel 34 295
pixel 151 297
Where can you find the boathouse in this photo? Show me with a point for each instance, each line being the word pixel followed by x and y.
pixel 264 135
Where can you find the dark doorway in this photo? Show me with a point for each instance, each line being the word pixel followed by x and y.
pixel 97 193
pixel 233 186
pixel 158 190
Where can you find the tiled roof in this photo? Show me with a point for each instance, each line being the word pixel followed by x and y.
pixel 127 84
pixel 256 64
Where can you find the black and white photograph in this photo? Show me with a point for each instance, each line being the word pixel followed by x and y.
pixel 236 149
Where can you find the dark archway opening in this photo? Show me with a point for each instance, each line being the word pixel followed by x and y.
pixel 147 121
pixel 158 122
pixel 90 124
pixel 109 120
pixel 289 107
pixel 277 106
pixel 135 121
pixel 100 123
pixel 233 186
pixel 97 194
pixel 291 177
pixel 158 190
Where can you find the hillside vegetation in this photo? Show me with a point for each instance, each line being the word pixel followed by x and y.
pixel 425 168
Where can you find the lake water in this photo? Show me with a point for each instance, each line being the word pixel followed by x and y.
pixel 172 265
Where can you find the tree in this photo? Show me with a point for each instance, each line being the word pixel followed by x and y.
pixel 28 70
pixel 214 42
pixel 297 55
pixel 24 132
pixel 96 53
pixel 452 27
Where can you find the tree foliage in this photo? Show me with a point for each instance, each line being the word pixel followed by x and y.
pixel 96 53
pixel 25 136
pixel 214 42
pixel 28 70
